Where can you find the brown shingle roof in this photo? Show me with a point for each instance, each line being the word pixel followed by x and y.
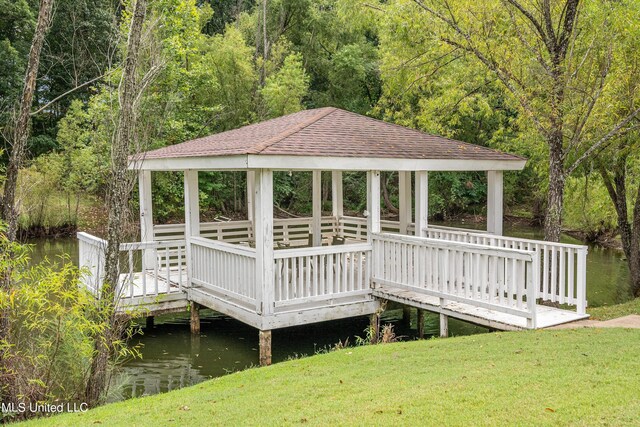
pixel 329 132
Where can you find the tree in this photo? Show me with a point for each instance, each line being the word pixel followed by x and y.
pixel 552 58
pixel 20 126
pixel 117 200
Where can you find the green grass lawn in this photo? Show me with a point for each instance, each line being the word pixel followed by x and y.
pixel 617 310
pixel 579 377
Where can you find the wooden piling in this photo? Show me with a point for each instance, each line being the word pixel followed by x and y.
pixel 265 348
pixel 444 325
pixel 195 318
pixel 149 322
pixel 375 327
pixel 406 316
pixel 420 323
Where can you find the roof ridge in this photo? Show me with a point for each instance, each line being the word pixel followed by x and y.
pixel 268 143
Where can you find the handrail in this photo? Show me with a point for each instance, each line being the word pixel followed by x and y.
pixel 321 250
pixel 518 254
pixel 224 247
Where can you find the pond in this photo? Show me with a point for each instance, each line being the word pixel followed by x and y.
pixel 173 358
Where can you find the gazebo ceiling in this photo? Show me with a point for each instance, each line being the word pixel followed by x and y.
pixel 326 138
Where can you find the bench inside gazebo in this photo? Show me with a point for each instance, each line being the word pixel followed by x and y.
pixel 272 273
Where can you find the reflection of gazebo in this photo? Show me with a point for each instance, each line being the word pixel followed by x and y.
pixel 290 278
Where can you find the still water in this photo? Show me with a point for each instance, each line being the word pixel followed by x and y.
pixel 172 358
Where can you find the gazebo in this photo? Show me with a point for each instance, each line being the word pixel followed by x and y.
pixel 273 273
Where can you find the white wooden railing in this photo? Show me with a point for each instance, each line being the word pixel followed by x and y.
pixel 141 276
pixel 503 280
pixel 225 268
pixel 162 273
pixel 91 250
pixel 563 266
pixel 321 274
pixel 289 231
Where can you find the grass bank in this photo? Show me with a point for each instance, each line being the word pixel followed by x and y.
pixel 608 312
pixel 583 377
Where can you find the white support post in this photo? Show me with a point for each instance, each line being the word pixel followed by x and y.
pixel 251 181
pixel 337 203
pixel 146 216
pixel 316 227
pixel 494 202
pixel 263 220
pixel 422 202
pixel 191 215
pixel 404 187
pixel 373 203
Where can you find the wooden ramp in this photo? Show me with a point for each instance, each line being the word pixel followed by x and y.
pixel 546 316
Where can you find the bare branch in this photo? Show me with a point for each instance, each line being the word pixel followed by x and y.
pixel 601 144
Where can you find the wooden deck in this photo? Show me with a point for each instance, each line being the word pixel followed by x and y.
pixel 481 278
pixel 546 316
pixel 153 293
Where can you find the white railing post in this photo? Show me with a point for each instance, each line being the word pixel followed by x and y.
pixel 494 202
pixel 337 203
pixel 533 288
pixel 373 203
pixel 581 291
pixel 191 214
pixel 422 203
pixel 264 242
pixel 404 203
pixel 146 215
pixel 316 228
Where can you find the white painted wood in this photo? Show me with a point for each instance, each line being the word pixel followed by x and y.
pixel 475 278
pixel 405 205
pixel 191 214
pixel 373 203
pixel 555 285
pixel 316 207
pixel 146 212
pixel 251 178
pixel 337 199
pixel 495 202
pixel 422 202
pixel 281 162
pixel 265 293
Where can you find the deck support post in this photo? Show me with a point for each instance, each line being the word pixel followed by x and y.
pixel 404 208
pixel 444 325
pixel 146 216
pixel 374 327
pixel 316 227
pixel 191 215
pixel 149 322
pixel 265 347
pixel 194 321
pixel 263 222
pixel 337 202
pixel 406 316
pixel 422 203
pixel 373 203
pixel 494 202
pixel 420 323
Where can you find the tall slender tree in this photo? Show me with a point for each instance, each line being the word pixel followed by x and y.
pixel 19 129
pixel 117 199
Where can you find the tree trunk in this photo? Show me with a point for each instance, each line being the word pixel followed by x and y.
pixel 20 132
pixel 117 200
pixel 629 231
pixel 555 195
